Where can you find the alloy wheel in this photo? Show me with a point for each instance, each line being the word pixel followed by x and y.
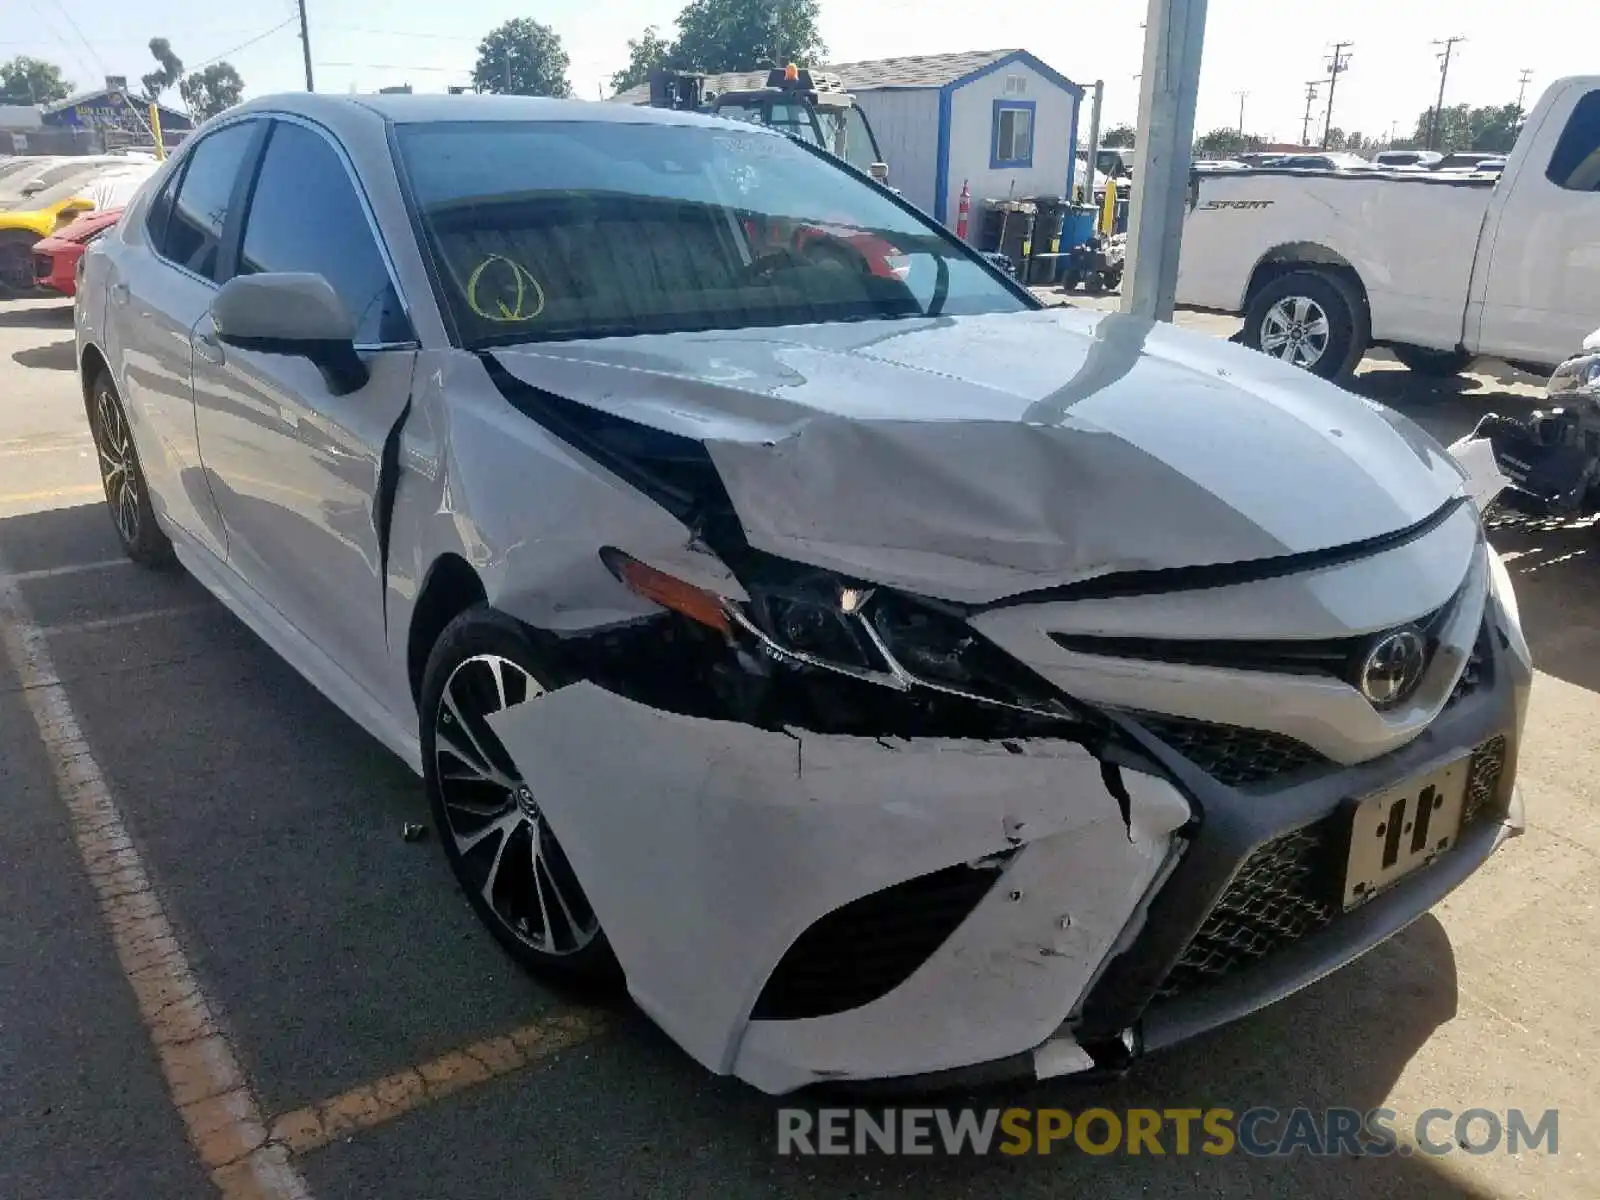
pixel 506 849
pixel 118 468
pixel 1296 330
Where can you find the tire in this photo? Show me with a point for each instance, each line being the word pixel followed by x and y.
pixel 121 475
pixel 16 265
pixel 1309 318
pixel 504 857
pixel 1436 364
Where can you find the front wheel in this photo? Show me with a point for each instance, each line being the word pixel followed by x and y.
pixel 504 854
pixel 1307 319
pixel 17 280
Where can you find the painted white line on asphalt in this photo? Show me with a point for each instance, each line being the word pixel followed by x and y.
pixel 71 569
pixel 99 623
pixel 207 1085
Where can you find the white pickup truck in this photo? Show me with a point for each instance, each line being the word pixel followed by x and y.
pixel 1440 266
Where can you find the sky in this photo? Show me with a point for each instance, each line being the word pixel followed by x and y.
pixel 1264 47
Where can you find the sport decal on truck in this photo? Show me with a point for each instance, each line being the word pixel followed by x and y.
pixel 1210 204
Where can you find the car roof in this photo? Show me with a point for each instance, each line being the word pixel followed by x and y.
pixel 413 109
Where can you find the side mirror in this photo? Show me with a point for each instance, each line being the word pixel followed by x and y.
pixel 293 313
pixel 880 172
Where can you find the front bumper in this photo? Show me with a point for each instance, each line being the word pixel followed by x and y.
pixel 55 263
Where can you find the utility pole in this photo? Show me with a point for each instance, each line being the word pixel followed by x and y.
pixel 1094 140
pixel 1436 127
pixel 505 70
pixel 1311 98
pixel 1174 34
pixel 1241 96
pixel 1522 87
pixel 1336 67
pixel 305 44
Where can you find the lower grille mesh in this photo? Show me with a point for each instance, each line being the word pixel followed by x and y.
pixel 1290 887
pixel 1231 754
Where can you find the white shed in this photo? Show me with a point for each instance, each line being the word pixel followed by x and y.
pixel 1001 121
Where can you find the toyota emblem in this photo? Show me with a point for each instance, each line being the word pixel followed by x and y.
pixel 1393 667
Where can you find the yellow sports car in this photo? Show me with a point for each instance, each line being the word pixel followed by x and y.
pixel 34 207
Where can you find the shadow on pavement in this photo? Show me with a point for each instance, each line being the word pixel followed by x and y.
pixel 57 356
pixel 36 316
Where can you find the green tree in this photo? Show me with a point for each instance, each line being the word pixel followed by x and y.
pixel 166 74
pixel 645 53
pixel 1225 143
pixel 1492 129
pixel 208 92
pixel 33 81
pixel 1118 136
pixel 741 35
pixel 522 58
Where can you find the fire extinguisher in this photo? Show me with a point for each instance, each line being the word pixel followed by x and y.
pixel 963 209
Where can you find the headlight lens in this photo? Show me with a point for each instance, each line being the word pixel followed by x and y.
pixel 1575 375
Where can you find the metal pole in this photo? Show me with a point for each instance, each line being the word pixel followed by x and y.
pixel 305 45
pixel 1174 34
pixel 1094 138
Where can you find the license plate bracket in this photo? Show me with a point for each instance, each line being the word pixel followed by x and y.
pixel 1402 829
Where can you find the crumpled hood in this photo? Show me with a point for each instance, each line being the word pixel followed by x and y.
pixel 972 458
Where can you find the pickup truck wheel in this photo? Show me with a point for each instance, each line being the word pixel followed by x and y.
pixel 1306 319
pixel 1439 364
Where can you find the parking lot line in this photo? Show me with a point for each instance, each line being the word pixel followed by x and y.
pixel 99 623
pixel 64 493
pixel 204 1079
pixel 383 1100
pixel 72 569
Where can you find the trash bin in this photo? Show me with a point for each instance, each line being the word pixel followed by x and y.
pixel 1078 225
pixel 1008 229
pixel 1049 213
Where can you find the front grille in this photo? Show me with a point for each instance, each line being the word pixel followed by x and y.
pixel 1474 673
pixel 861 952
pixel 1232 754
pixel 1291 887
pixel 43 265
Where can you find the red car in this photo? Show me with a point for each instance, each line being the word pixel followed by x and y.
pixel 55 259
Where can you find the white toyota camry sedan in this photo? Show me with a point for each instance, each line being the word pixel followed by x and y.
pixel 880 673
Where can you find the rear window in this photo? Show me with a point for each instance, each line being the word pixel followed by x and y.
pixel 550 229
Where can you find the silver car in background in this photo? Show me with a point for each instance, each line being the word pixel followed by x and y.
pixel 883 674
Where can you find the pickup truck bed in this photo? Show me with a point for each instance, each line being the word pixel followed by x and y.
pixel 1442 266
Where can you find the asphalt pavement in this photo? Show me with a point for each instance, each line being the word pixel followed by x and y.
pixel 388 1049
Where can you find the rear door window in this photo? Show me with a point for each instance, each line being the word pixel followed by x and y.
pixel 193 235
pixel 1575 165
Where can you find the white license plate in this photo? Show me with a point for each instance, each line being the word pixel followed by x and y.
pixel 1403 829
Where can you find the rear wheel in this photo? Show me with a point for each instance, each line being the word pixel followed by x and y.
pixel 127 492
pixel 1439 364
pixel 1308 319
pixel 504 854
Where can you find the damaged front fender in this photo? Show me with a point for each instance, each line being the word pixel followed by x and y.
pixel 707 848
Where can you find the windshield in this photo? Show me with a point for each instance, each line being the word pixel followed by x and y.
pixel 546 230
pixel 847 135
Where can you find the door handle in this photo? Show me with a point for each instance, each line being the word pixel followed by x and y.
pixel 119 293
pixel 209 347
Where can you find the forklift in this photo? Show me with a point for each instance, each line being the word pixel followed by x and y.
pixel 814 108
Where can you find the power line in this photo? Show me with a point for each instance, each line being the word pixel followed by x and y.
pixel 260 37
pixel 1435 127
